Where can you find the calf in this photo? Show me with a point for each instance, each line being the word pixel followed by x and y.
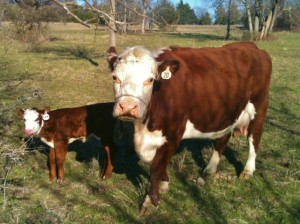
pixel 60 127
pixel 180 93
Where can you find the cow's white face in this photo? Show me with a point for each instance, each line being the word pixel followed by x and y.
pixel 32 121
pixel 133 76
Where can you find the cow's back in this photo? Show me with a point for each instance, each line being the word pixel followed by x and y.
pixel 213 85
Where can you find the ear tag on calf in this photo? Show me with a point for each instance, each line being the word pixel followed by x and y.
pixel 45 116
pixel 166 74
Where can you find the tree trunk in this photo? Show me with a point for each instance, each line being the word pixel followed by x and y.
pixel 143 19
pixel 265 30
pixel 125 18
pixel 247 6
pixel 256 18
pixel 228 20
pixel 112 24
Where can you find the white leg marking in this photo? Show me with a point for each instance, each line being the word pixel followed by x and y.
pixel 250 165
pixel 211 167
pixel 164 186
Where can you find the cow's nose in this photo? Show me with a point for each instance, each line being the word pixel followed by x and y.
pixel 28 131
pixel 128 108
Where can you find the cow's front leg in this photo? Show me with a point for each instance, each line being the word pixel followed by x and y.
pixel 52 164
pixel 158 177
pixel 61 149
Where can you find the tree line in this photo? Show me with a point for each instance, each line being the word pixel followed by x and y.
pixel 260 17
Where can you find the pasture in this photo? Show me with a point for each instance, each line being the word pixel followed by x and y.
pixel 71 70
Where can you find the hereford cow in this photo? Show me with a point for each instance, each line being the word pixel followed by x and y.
pixel 60 127
pixel 180 93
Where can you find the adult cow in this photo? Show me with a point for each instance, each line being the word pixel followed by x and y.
pixel 179 93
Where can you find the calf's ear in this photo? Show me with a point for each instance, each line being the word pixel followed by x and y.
pixel 112 57
pixel 46 109
pixel 20 112
pixel 170 66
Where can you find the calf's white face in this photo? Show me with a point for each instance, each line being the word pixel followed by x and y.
pixel 32 122
pixel 133 77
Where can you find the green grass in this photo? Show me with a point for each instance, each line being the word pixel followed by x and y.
pixel 71 70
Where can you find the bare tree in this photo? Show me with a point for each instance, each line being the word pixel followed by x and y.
pixel 228 20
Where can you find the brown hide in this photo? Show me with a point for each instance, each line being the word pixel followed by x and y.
pixel 210 87
pixel 79 122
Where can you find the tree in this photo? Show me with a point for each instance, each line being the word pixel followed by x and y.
pixel 186 14
pixel 221 15
pixel 205 19
pixel 31 17
pixel 165 13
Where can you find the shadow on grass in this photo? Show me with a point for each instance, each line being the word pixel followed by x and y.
pixel 78 52
pixel 196 36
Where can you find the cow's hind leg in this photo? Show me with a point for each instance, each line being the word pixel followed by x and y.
pixel 254 135
pixel 220 145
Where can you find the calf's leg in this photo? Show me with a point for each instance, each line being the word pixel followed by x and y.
pixel 61 149
pixel 107 168
pixel 52 164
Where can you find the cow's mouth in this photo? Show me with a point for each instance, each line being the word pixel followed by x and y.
pixel 127 118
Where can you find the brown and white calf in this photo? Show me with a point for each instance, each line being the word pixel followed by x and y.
pixel 58 128
pixel 180 93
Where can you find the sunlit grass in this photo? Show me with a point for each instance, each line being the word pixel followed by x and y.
pixel 71 70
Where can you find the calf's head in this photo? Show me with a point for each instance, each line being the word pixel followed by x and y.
pixel 33 119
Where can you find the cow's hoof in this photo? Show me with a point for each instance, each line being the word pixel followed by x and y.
pixel 200 182
pixel 245 175
pixel 209 174
pixel 59 181
pixel 147 207
pixel 164 187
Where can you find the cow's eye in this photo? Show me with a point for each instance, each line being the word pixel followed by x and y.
pixel 148 81
pixel 116 79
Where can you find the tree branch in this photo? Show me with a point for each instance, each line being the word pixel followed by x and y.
pixel 71 14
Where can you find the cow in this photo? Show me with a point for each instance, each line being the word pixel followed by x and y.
pixel 58 128
pixel 176 93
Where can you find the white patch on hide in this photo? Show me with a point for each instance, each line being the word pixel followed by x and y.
pixel 136 66
pixel 244 119
pixel 212 165
pixel 250 165
pixel 31 119
pixel 49 143
pixel 146 142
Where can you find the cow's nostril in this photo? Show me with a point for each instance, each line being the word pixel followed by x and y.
pixel 121 106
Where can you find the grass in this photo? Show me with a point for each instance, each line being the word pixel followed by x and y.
pixel 71 70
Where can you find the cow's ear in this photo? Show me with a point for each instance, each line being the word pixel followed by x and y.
pixel 112 57
pixel 168 68
pixel 46 109
pixel 20 112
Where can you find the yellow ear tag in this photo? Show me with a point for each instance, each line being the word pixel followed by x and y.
pixel 166 74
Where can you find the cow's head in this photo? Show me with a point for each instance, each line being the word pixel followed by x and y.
pixel 133 74
pixel 34 119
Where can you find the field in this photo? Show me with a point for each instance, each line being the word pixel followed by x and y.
pixel 71 70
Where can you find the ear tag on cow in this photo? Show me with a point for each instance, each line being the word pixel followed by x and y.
pixel 45 116
pixel 166 74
